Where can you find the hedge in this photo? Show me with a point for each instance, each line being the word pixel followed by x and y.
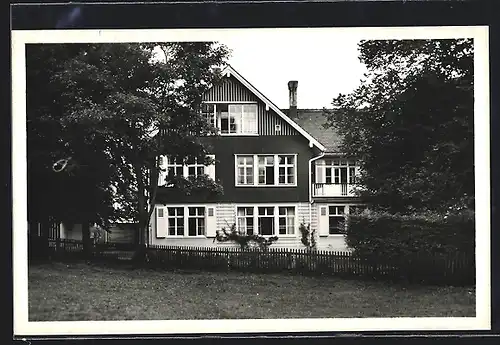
pixel 396 236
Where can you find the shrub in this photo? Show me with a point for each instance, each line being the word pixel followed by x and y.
pixel 308 236
pixel 392 236
pixel 245 241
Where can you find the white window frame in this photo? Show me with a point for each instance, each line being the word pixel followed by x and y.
pixel 176 217
pixel 256 170
pixel 346 213
pixel 245 166
pixel 186 218
pixel 275 218
pixel 197 218
pixel 196 166
pixel 240 124
pixel 335 170
pixel 245 217
pixel 185 167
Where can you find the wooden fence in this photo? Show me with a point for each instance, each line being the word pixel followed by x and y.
pixel 456 269
pixel 436 269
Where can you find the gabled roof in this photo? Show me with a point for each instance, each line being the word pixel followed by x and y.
pixel 230 71
pixel 312 121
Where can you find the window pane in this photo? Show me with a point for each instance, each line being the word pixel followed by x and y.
pixel 340 209
pixel 180 226
pixel 249 178
pixel 291 225
pixel 192 227
pixel 289 159
pixel 291 179
pixel 282 226
pixel 250 226
pixel 334 225
pixel 262 211
pixel 266 226
pixel 282 210
pixel 269 175
pixel 201 226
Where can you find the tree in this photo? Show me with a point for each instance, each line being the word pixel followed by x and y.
pixel 114 108
pixel 410 123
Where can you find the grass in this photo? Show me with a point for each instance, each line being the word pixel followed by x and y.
pixel 80 292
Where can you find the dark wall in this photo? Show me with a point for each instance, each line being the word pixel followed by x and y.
pixel 226 147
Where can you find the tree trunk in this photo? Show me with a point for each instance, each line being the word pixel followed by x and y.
pixel 87 243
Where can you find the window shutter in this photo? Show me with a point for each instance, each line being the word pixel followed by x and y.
pixel 210 169
pixel 211 222
pixel 323 221
pixel 161 222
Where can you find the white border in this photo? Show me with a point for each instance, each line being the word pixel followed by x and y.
pixel 481 127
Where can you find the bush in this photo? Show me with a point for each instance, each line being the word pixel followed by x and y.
pixel 373 234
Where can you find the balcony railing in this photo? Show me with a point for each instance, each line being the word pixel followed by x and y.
pixel 329 190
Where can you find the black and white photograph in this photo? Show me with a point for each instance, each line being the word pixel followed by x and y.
pixel 251 180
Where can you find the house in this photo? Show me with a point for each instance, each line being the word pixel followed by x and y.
pixel 278 168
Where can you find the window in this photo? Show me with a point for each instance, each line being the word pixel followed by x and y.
pixel 196 221
pixel 195 169
pixel 245 220
pixel 186 221
pixel 245 170
pixel 336 171
pixel 208 112
pixel 175 221
pixel 336 220
pixel 192 168
pixel 266 221
pixel 174 168
pixel 266 170
pixel 232 118
pixel 286 220
pixel 286 169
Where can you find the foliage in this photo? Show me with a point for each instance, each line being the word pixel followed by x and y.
pixel 410 123
pixel 308 236
pixel 113 108
pixel 380 234
pixel 245 241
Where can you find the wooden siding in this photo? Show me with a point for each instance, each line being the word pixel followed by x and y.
pixel 225 149
pixel 269 119
pixel 226 215
pixel 231 90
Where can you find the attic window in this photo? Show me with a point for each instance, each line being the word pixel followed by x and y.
pixel 236 118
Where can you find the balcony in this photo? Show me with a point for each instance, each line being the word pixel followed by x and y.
pixel 332 190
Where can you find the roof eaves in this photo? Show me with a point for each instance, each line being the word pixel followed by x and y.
pixel 271 105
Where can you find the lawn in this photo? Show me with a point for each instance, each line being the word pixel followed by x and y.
pixel 71 292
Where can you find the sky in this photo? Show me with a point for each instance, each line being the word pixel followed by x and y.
pixel 323 67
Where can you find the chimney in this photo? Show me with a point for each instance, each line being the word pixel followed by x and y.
pixel 292 88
